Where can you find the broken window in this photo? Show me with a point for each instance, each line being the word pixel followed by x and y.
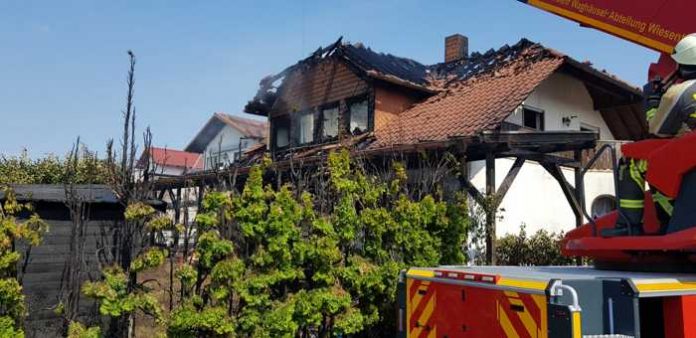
pixel 305 128
pixel 281 132
pixel 358 117
pixel 533 118
pixel 329 122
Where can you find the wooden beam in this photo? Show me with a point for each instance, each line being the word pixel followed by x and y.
pixel 540 157
pixel 490 209
pixel 579 189
pixel 568 191
pixel 201 193
pixel 507 181
pixel 466 184
pixel 473 192
pixel 519 139
pixel 161 193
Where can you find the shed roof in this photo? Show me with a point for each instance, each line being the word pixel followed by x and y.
pixel 90 193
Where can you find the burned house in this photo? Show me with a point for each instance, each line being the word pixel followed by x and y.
pixel 523 114
pixel 516 103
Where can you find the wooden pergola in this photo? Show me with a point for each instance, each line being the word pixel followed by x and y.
pixel 542 147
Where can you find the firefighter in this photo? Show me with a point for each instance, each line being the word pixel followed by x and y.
pixel 669 115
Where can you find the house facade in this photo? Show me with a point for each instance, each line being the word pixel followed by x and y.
pixel 561 102
pixel 224 138
pixel 347 94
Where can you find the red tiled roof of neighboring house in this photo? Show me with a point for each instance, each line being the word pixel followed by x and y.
pixel 176 158
pixel 477 103
pixel 248 127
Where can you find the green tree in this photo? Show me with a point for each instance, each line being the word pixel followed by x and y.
pixel 14 231
pixel 52 169
pixel 118 293
pixel 267 263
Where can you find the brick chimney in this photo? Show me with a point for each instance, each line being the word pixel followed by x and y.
pixel 456 47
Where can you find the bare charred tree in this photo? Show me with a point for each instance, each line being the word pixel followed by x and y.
pixel 74 268
pixel 124 240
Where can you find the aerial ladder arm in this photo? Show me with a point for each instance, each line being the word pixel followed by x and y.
pixel 654 24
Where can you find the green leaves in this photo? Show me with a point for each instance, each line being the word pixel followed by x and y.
pixel 77 330
pixel 187 322
pixel 9 328
pixel 542 248
pixel 150 258
pixel 12 299
pixel 138 211
pixel 159 223
pixel 52 170
pixel 212 249
pixel 115 300
pixel 271 263
pixel 13 230
pixel 187 275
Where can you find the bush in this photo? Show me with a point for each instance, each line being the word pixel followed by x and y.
pixel 52 170
pixel 270 262
pixel 542 248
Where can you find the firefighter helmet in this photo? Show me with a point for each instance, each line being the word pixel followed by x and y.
pixel 685 51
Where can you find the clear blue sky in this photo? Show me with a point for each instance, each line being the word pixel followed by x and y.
pixel 63 63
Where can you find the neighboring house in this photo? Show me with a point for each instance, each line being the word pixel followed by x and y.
pixel 349 94
pixel 224 138
pixel 169 162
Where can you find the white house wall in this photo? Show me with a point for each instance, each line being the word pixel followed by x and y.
pixel 227 140
pixel 535 198
pixel 562 96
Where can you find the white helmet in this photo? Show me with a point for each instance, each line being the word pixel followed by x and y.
pixel 685 51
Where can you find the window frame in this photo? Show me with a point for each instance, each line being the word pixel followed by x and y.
pixel 349 114
pixel 295 127
pixel 274 129
pixel 320 130
pixel 540 114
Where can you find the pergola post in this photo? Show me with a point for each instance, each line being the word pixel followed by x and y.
pixel 490 209
pixel 579 187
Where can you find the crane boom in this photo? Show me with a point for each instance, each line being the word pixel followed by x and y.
pixel 654 24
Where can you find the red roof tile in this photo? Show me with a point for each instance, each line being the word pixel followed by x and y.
pixel 476 104
pixel 176 158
